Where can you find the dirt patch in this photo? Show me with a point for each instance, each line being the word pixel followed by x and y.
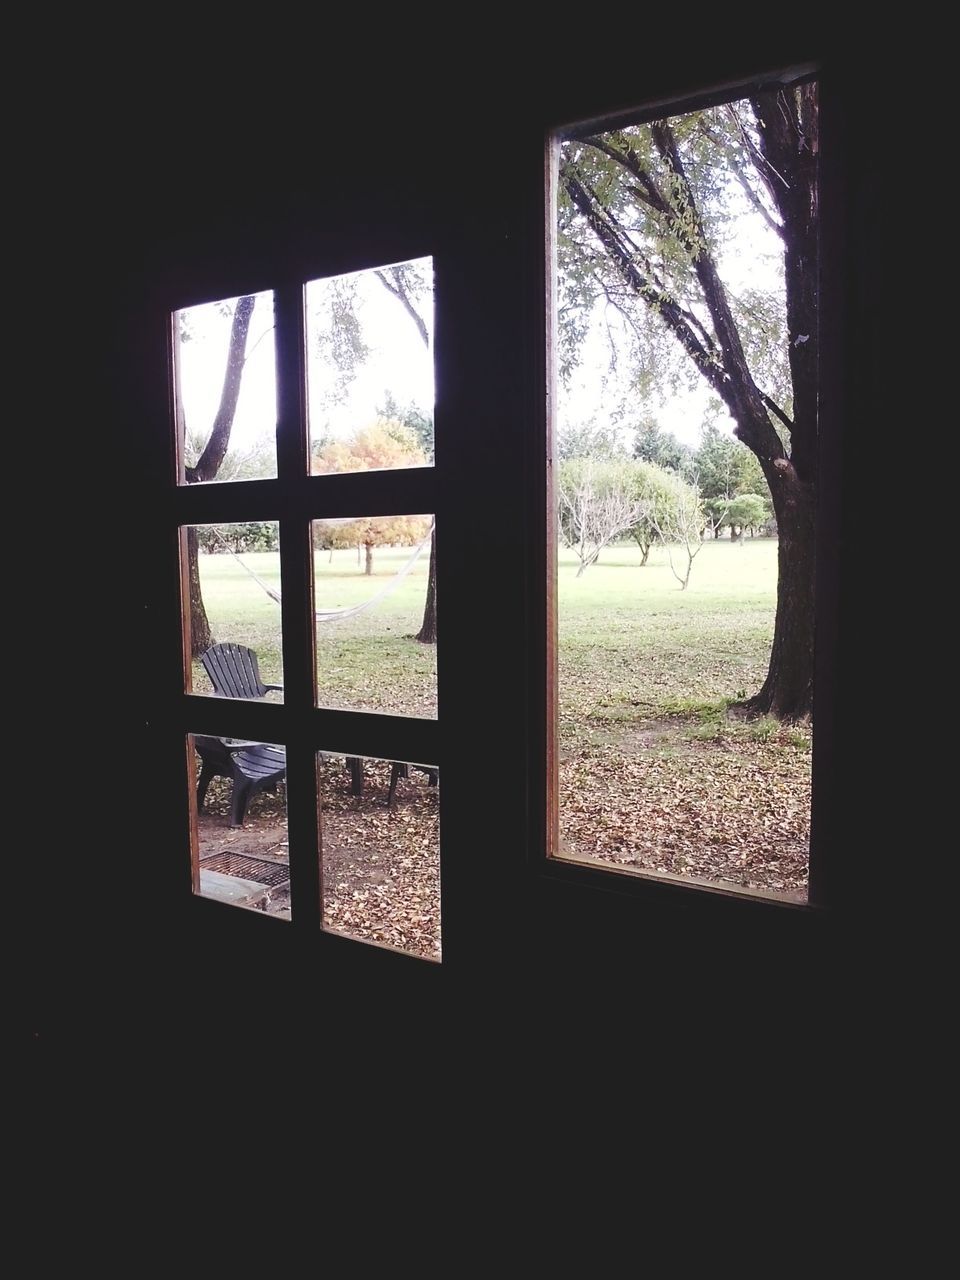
pixel 380 865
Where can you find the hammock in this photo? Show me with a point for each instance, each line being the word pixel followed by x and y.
pixel 332 615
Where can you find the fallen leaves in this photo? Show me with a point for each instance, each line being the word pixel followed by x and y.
pixel 655 795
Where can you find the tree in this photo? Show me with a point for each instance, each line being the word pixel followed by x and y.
pixel 724 471
pixel 382 445
pixel 598 503
pixel 682 524
pixel 645 214
pixel 253 535
pixel 421 425
pixel 590 440
pixel 369 533
pixel 408 287
pixel 658 491
pixel 746 511
pixel 407 283
pixel 210 460
pixel 653 444
pixel 413 418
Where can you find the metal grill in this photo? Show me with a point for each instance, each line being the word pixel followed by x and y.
pixel 271 874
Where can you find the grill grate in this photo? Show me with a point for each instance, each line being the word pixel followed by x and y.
pixel 271 874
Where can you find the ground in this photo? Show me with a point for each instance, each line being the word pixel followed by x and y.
pixel 652 798
pixel 381 866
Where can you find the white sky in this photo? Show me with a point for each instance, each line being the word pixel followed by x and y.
pixel 400 364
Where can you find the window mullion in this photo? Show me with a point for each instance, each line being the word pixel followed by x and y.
pixel 296 576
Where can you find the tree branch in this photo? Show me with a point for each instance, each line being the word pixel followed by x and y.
pixel 397 288
pixel 648 192
pixel 737 388
pixel 775 409
pixel 789 139
pixel 609 234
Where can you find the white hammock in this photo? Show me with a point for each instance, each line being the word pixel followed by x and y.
pixel 332 615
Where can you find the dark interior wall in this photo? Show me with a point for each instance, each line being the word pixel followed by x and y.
pixel 238 169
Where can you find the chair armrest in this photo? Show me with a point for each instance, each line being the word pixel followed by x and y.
pixel 277 687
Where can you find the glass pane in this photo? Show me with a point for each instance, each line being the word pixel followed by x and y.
pixel 684 501
pixel 226 389
pixel 370 368
pixel 380 861
pixel 376 614
pixel 241 820
pixel 233 581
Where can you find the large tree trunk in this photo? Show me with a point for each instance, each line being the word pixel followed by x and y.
pixel 368 563
pixel 428 630
pixel 787 692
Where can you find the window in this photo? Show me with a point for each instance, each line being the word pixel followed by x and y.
pixel 683 385
pixel 308 589
pixel 454 503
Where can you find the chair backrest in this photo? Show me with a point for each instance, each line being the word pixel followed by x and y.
pixel 214 754
pixel 233 671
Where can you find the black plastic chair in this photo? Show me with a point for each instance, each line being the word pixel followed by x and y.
pixel 235 673
pixel 252 766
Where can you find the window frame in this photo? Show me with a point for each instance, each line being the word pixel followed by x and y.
pixel 823 854
pixel 294 498
pixel 492 395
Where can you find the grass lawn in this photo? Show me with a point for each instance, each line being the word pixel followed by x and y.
pixel 654 775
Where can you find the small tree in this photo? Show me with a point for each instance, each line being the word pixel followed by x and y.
pixel 384 444
pixel 370 533
pixel 656 489
pixel 746 511
pixel 683 525
pixel 598 503
pixel 258 535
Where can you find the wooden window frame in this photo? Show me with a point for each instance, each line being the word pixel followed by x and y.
pixel 823 853
pixel 294 499
pixel 494 738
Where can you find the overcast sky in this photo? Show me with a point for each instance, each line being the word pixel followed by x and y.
pixel 400 364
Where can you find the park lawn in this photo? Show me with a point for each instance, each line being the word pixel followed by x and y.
pixel 368 662
pixel 655 775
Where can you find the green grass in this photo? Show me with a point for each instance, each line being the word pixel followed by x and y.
pixel 631 642
pixel 368 662
pixel 630 638
pixel 653 769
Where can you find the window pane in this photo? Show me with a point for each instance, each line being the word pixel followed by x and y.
pixel 380 861
pixel 370 368
pixel 233 580
pixel 685 487
pixel 241 822
pixel 376 614
pixel 226 389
